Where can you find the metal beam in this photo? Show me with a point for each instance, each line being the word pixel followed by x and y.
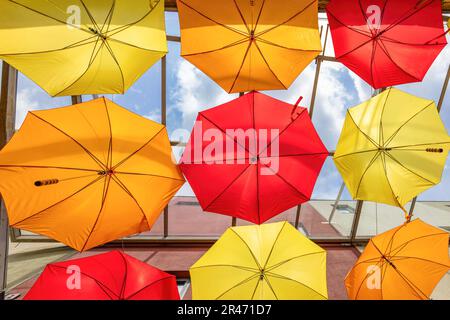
pixel 76 99
pixel 164 122
pixel 354 230
pixel 7 125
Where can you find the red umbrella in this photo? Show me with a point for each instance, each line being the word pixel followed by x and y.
pixel 386 42
pixel 109 276
pixel 253 158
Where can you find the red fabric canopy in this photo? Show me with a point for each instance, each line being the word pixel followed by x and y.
pixel 109 276
pixel 231 176
pixel 387 42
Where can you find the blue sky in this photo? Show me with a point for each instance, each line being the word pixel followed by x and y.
pixel 190 91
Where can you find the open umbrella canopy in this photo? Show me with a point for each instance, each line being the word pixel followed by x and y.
pixel 392 147
pixel 382 41
pixel 109 276
pixel 82 47
pixel 87 174
pixel 404 263
pixel 250 45
pixel 253 158
pixel 268 262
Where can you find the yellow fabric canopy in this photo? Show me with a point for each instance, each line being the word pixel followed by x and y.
pixel 87 174
pixel 392 148
pixel 82 47
pixel 404 263
pixel 266 262
pixel 250 45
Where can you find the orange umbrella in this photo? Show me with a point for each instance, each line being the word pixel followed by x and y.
pixel 87 174
pixel 404 263
pixel 250 45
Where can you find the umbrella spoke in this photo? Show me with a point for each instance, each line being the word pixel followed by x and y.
pixel 409 170
pixel 242 65
pixel 248 247
pixel 405 123
pixel 397 250
pixel 268 66
pixel 275 275
pixel 59 202
pixel 212 20
pixel 395 197
pixel 237 285
pixel 102 166
pixel 287 21
pixel 291 259
pixel 273 246
pixel 360 130
pixel 254 270
pixel 242 16
pixel 375 157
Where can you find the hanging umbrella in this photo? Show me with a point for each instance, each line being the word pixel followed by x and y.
pixel 267 262
pixel 250 45
pixel 392 148
pixel 260 163
pixel 109 276
pixel 404 263
pixel 382 41
pixel 82 47
pixel 87 174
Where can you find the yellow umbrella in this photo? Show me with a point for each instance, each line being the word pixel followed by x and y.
pixel 392 148
pixel 266 262
pixel 250 45
pixel 82 47
pixel 87 174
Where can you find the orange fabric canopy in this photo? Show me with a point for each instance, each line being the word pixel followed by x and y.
pixel 87 174
pixel 404 263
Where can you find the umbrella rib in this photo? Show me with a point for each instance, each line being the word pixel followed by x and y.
pixel 404 124
pixel 381 132
pixel 90 15
pixel 138 150
pixel 383 160
pixel 46 167
pixel 366 277
pixel 375 157
pixel 403 245
pixel 212 20
pixel 127 26
pixel 148 286
pixel 273 245
pixel 282 131
pixel 228 266
pixel 248 247
pixel 110 148
pixel 400 148
pixel 50 17
pixel 238 42
pixel 57 203
pixel 297 155
pixel 91 61
pixel 257 164
pixel 224 190
pixel 125 276
pixel 287 182
pixel 276 275
pixel 105 193
pixel 284 47
pixel 288 20
pixel 349 27
pixel 270 286
pixel 237 285
pixel 384 49
pixel 242 66
pixel 291 259
pixel 268 66
pixel 108 18
pixel 146 174
pixel 422 259
pixel 254 291
pixel 134 46
pixel 360 130
pixel 259 15
pixel 242 16
pixel 372 60
pixel 415 289
pixel 356 152
pixel 406 168
pixel 127 191
pixel 97 282
pixel 111 52
pixel 73 139
pixel 224 131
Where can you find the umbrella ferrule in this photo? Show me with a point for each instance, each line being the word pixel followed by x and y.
pixel 41 183
pixel 435 150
